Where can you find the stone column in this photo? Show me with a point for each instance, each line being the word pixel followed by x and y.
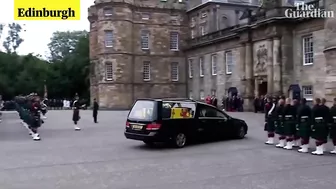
pixel 249 84
pixel 256 87
pixel 270 67
pixel 276 67
pixel 242 69
pixel 221 76
pixel 330 51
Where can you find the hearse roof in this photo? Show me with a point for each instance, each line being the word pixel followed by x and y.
pixel 177 100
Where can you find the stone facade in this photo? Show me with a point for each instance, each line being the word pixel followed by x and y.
pixel 257 51
pixel 126 21
pixel 268 54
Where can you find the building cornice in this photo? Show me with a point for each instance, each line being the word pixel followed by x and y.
pixel 208 3
pixel 136 7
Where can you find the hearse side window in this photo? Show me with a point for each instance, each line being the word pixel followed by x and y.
pixel 221 115
pixel 178 110
pixel 207 112
pixel 211 112
pixel 143 110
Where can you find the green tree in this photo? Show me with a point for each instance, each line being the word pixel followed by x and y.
pixel 1 29
pixel 21 74
pixel 13 40
pixel 64 77
pixel 63 43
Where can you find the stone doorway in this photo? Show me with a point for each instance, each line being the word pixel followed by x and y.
pixel 262 88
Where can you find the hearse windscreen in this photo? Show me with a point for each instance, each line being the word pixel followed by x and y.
pixel 143 110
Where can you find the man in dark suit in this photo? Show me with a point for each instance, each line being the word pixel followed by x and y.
pixel 95 110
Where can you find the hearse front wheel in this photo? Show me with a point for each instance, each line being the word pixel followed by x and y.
pixel 241 132
pixel 180 140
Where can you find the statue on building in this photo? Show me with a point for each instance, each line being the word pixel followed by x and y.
pixel 261 59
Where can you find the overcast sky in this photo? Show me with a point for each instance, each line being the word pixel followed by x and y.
pixel 38 33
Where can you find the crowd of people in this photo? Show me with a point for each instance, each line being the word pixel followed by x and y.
pixel 232 103
pixel 65 104
pixel 259 103
pixel 212 100
pixel 53 104
pixel 296 123
pixel 32 111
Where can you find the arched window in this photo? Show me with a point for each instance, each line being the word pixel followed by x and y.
pixel 225 22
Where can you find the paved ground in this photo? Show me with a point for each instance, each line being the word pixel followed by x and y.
pixel 100 157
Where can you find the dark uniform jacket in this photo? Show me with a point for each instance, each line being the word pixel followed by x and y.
pixel 326 111
pixel 289 122
pixel 76 106
pixel 304 120
pixel 279 119
pixel 304 110
pixel 289 110
pixel 320 127
pixel 95 108
pixel 333 123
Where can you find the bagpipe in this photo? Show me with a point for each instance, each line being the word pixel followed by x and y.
pixel 29 108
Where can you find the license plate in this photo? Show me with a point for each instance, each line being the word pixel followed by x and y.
pixel 137 127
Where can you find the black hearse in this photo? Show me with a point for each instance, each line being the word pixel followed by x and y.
pixel 180 120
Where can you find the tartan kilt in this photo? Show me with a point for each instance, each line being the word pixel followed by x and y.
pixel 303 129
pixel 28 118
pixel 35 122
pixel 332 132
pixel 289 126
pixel 319 130
pixel 269 124
pixel 75 115
pixel 279 126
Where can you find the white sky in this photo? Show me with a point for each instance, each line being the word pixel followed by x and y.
pixel 38 33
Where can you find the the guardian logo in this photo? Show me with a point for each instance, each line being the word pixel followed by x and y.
pixel 303 10
pixel 45 13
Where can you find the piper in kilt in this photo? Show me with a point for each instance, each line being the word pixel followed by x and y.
pixel 75 116
pixel 304 120
pixel 326 109
pixel 332 131
pixel 289 115
pixel 269 121
pixel 35 117
pixel 296 141
pixel 278 122
pixel 319 130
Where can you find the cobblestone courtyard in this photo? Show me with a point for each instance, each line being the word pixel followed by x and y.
pixel 100 157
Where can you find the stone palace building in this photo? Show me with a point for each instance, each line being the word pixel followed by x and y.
pixel 179 48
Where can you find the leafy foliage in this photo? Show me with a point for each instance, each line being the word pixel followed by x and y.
pixel 13 40
pixel 64 75
pixel 69 73
pixel 63 43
